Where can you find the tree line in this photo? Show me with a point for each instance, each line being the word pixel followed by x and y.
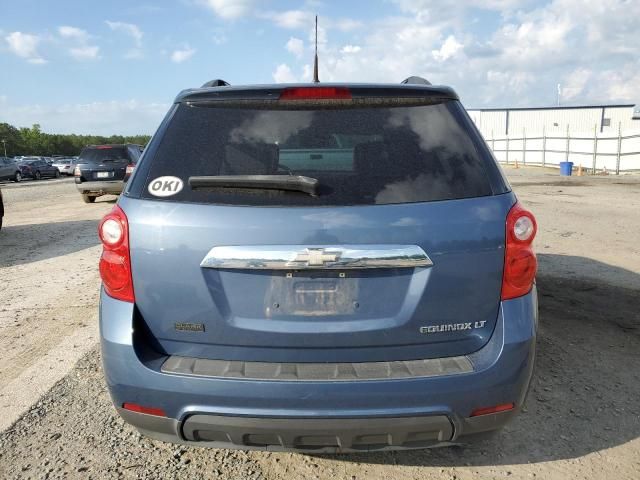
pixel 33 141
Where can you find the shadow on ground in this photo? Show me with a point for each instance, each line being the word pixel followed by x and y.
pixel 584 397
pixel 23 244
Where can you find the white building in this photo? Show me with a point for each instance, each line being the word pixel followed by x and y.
pixel 597 137
pixel 604 119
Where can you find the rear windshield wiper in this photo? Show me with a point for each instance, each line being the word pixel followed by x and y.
pixel 294 183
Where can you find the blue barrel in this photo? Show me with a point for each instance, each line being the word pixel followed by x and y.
pixel 565 168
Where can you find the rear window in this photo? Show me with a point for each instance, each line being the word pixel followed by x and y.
pixel 100 155
pixel 359 156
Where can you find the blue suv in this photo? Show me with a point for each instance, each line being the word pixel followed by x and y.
pixel 324 268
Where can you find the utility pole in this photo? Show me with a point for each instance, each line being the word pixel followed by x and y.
pixel 4 144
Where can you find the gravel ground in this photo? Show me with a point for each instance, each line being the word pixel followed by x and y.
pixel 48 317
pixel 582 418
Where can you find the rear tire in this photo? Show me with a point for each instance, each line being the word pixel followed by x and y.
pixel 88 198
pixel 17 177
pixel 37 176
pixel 57 174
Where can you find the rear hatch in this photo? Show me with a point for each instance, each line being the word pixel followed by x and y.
pixel 103 163
pixel 318 231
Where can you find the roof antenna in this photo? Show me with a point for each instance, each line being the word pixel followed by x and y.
pixel 315 59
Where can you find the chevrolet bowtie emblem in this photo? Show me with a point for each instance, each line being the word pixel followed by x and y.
pixel 316 257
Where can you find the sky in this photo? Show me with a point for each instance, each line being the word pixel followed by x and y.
pixel 90 67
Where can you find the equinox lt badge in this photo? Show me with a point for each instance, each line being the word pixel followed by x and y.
pixel 452 327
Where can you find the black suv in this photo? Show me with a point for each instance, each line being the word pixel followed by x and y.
pixel 101 169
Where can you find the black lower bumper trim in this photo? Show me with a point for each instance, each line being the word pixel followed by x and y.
pixel 315 435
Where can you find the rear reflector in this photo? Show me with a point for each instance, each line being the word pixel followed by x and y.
pixel 315 93
pixel 505 407
pixel 134 407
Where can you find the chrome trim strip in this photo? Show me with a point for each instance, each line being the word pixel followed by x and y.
pixel 433 367
pixel 303 257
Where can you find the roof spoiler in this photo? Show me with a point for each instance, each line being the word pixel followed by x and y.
pixel 218 82
pixel 413 80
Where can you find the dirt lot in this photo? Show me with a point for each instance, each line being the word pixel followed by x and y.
pixel 582 418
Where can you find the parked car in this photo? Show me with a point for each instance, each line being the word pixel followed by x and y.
pixel 101 169
pixel 319 268
pixel 1 209
pixel 66 165
pixel 9 170
pixel 37 168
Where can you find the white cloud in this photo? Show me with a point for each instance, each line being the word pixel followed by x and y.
pixel 444 7
pixel 322 35
pixel 530 47
pixel 295 46
pixel 574 83
pixel 230 9
pixel 291 19
pixel 99 118
pixel 621 84
pixel 516 82
pixel 79 41
pixel 219 37
pixel 88 52
pixel 449 48
pixel 73 32
pixel 305 20
pixel 130 29
pixel 133 54
pixel 350 49
pixel 25 45
pixel 345 24
pixel 181 55
pixel 283 74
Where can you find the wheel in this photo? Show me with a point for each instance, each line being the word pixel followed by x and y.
pixel 37 175
pixel 88 198
pixel 57 174
pixel 17 177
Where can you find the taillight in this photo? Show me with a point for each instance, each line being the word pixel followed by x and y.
pixel 115 262
pixel 129 170
pixel 520 263
pixel 316 93
pixel 76 172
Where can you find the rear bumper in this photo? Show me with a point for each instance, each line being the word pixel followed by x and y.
pixel 325 416
pixel 111 187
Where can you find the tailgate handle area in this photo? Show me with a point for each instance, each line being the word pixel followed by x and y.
pixel 303 257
